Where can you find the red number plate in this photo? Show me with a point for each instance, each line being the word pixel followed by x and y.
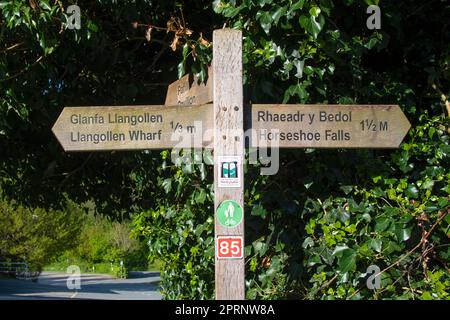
pixel 229 247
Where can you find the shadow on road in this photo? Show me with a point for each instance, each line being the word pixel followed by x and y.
pixel 142 274
pixel 139 286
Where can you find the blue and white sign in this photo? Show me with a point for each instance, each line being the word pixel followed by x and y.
pixel 229 171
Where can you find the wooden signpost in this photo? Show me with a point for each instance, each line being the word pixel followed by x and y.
pixel 188 91
pixel 132 127
pixel 328 126
pixel 186 121
pixel 228 144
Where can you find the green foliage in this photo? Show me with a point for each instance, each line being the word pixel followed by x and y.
pixel 386 224
pixel 367 215
pixel 36 235
pixel 45 66
pixel 179 230
pixel 104 243
pixel 314 228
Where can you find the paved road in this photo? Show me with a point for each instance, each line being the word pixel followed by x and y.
pixel 140 286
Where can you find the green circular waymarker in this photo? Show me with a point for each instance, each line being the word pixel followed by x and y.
pixel 229 214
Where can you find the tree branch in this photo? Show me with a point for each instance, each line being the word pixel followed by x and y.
pixel 422 241
pixel 23 71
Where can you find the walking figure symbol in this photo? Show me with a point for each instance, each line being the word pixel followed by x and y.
pixel 229 214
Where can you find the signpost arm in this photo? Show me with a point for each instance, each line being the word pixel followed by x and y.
pixel 228 141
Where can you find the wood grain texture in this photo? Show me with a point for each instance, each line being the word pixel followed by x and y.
pixel 228 141
pixel 328 126
pixel 187 91
pixel 384 126
pixel 144 127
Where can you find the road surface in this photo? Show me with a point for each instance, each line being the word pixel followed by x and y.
pixel 50 285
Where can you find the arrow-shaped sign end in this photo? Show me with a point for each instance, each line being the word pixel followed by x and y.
pixel 402 124
pixel 56 129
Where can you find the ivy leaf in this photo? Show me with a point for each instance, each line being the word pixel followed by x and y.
pixel 266 22
pixel 181 69
pixel 426 296
pixel 278 14
pixel 208 157
pixel 314 11
pixel 259 211
pixel 376 179
pixel 427 185
pixel 309 242
pixel 251 294
pixel 92 26
pixel 412 192
pixel 343 215
pixel 200 197
pixel 339 249
pixel 381 224
pixel 217 6
pixel 402 233
pixel 167 185
pixel 299 66
pixel 259 247
pixel 185 51
pixel 44 5
pixel 347 261
pixel 297 5
pixel 311 25
pixel 346 189
pixel 308 182
pixel 231 12
pixel 375 244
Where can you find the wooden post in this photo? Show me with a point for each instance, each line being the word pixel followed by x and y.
pixel 228 141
